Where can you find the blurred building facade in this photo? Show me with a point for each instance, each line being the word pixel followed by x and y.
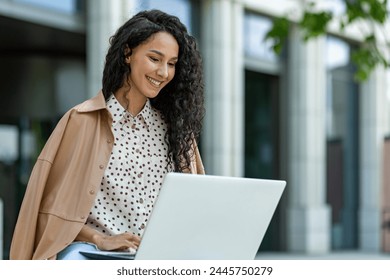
pixel 300 117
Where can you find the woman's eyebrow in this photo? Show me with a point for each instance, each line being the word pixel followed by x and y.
pixel 161 54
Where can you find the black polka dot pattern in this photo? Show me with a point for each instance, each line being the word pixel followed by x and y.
pixel 133 177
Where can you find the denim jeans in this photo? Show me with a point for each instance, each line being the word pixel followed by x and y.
pixel 72 251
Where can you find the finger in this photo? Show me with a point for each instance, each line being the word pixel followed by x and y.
pixel 132 237
pixel 132 245
pixel 136 238
pixel 126 247
pixel 128 235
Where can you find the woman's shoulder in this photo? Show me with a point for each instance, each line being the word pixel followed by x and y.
pixel 79 121
pixel 82 112
pixel 95 103
pixel 84 109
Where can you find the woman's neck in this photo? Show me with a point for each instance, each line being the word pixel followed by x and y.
pixel 133 103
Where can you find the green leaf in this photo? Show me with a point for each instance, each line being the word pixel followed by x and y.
pixel 375 10
pixel 354 10
pixel 364 63
pixel 314 24
pixel 278 33
pixel 367 58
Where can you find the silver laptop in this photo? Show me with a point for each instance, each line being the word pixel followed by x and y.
pixel 208 217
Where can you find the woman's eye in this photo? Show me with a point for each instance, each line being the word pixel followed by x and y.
pixel 153 59
pixel 172 64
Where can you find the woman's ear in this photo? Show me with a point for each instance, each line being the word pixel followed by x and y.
pixel 127 55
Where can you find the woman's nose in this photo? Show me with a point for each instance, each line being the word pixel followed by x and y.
pixel 162 71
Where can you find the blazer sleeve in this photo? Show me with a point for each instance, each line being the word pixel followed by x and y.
pixel 198 161
pixel 24 236
pixel 196 164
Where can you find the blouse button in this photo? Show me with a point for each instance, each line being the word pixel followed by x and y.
pixel 82 217
pixel 133 126
pixel 139 175
pixel 91 192
pixel 141 200
pixel 101 166
pixel 137 151
pixel 142 226
pixel 108 141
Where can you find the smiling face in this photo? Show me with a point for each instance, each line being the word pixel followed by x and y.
pixel 152 65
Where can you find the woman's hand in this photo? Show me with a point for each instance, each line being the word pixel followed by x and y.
pixel 120 242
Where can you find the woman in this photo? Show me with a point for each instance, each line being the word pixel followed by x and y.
pixel 99 174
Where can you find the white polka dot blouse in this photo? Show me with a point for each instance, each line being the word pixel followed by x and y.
pixel 133 178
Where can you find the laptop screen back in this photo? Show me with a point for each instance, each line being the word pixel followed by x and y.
pixel 209 217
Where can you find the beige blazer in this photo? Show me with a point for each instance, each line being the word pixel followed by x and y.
pixel 65 179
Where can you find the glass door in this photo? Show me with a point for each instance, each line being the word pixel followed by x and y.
pixel 262 139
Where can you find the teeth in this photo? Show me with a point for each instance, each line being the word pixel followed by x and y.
pixel 153 81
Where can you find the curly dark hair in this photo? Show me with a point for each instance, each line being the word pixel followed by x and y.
pixel 181 101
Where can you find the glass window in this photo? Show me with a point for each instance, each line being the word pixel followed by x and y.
pixel 337 57
pixel 64 6
pixel 255 29
pixel 262 139
pixel 337 53
pixel 179 8
pixel 342 143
